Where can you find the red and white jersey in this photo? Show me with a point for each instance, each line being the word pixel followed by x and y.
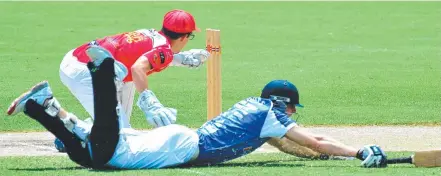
pixel 127 47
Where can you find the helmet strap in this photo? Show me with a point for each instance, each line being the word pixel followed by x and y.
pixel 279 98
pixel 280 105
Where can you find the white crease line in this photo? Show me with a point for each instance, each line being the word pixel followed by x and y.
pixel 196 172
pixel 37 146
pixel 215 0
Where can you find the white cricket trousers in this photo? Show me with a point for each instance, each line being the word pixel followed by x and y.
pixel 76 77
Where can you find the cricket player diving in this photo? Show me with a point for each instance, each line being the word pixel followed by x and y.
pixel 143 52
pixel 234 133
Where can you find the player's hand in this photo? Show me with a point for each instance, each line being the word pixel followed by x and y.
pixel 193 58
pixel 161 116
pixel 173 111
pixel 200 54
pixel 156 114
pixel 372 156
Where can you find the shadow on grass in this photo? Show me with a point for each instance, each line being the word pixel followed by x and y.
pixel 244 164
pixel 270 163
pixel 258 164
pixel 66 169
pixel 49 168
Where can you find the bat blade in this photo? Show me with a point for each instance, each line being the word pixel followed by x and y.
pixel 431 158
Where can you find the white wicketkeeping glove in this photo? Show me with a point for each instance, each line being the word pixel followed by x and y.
pixel 373 156
pixel 192 58
pixel 156 114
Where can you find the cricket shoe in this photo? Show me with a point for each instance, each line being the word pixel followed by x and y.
pixel 59 146
pixel 39 93
pixel 98 54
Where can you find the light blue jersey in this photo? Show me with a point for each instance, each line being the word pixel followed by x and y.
pixel 240 130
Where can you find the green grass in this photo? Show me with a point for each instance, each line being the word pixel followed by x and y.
pixel 355 63
pixel 255 164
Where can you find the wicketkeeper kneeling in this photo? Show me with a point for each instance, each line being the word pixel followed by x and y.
pixel 246 126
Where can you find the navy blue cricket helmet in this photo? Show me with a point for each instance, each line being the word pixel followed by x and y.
pixel 282 90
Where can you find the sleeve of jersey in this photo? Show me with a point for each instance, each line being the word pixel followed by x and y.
pixel 276 125
pixel 159 57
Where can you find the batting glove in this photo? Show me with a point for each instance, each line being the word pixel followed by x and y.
pixel 156 114
pixel 372 156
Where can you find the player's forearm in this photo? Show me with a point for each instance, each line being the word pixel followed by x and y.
pixel 139 77
pixel 303 137
pixel 335 149
pixel 327 138
pixel 290 147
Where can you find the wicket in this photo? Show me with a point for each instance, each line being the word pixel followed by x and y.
pixel 214 87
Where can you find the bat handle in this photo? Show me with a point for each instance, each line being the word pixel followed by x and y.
pixel 407 160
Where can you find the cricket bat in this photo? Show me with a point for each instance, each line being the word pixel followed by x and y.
pixel 430 158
